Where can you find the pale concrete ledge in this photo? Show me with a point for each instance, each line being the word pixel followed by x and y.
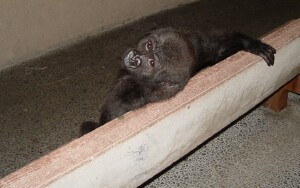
pixel 129 151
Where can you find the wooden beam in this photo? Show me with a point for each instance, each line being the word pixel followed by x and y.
pixel 278 100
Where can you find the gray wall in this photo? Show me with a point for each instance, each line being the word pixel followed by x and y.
pixel 34 27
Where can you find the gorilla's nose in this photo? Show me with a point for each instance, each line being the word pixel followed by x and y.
pixel 132 59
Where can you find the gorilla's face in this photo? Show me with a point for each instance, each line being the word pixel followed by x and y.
pixel 160 51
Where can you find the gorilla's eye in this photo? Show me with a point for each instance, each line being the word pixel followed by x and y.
pixel 149 45
pixel 151 62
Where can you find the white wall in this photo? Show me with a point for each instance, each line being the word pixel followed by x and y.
pixel 33 27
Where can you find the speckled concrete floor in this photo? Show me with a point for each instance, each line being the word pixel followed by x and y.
pixel 43 101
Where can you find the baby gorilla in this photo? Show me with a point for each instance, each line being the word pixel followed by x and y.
pixel 164 61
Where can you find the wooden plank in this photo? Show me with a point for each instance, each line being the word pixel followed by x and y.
pixel 278 100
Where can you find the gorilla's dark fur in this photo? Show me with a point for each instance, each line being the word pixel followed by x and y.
pixel 163 62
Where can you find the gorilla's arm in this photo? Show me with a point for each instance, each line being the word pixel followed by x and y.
pixel 219 46
pixel 127 95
